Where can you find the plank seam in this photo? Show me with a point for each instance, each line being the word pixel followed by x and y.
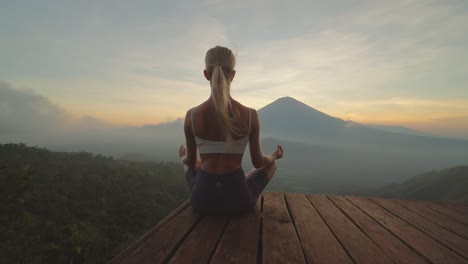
pixel 126 252
pixel 295 228
pixel 435 210
pixel 418 228
pixel 219 239
pixel 429 218
pixel 456 208
pixel 177 245
pixel 260 234
pixel 362 230
pixel 329 228
pixel 391 232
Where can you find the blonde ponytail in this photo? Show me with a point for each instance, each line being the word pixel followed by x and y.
pixel 220 62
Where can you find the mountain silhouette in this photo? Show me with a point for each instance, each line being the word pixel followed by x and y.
pixel 291 119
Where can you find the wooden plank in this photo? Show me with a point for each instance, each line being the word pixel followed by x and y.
pixel 202 241
pixel 436 217
pixel 394 248
pixel 356 243
pixel 461 207
pixel 165 241
pixel 454 214
pixel 318 242
pixel 279 237
pixel 146 238
pixel 413 237
pixel 452 241
pixel 239 243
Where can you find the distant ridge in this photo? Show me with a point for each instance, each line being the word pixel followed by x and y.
pixel 399 129
pixel 450 184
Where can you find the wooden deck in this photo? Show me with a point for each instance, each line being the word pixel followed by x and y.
pixel 310 228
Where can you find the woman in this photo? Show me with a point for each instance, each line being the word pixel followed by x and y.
pixel 220 129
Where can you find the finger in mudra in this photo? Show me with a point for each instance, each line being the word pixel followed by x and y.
pixel 182 151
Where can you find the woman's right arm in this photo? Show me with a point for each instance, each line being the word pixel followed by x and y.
pixel 191 156
pixel 256 154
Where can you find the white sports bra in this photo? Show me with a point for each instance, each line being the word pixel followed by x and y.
pixel 208 146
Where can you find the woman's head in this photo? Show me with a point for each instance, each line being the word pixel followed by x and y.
pixel 220 63
pixel 220 56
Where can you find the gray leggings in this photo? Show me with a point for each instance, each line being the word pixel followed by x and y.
pixel 230 193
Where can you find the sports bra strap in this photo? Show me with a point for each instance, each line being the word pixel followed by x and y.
pixel 191 117
pixel 250 121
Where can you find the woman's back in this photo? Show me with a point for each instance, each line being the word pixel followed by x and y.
pixel 207 129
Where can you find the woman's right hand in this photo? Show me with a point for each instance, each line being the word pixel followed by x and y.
pixel 182 152
pixel 278 153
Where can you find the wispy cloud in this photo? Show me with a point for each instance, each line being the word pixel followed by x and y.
pixel 401 109
pixel 26 111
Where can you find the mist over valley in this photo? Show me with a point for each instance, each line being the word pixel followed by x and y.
pixel 322 153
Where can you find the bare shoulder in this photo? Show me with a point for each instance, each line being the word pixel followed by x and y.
pixel 193 109
pixel 241 106
pixel 188 117
pixel 188 113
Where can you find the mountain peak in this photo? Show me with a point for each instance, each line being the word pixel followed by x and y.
pixel 289 103
pixel 288 99
pixel 286 112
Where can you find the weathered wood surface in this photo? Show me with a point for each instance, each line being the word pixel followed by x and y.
pixel 442 235
pixel 280 241
pixel 202 241
pixel 317 240
pixel 417 239
pixel 438 218
pixel 310 228
pixel 450 212
pixel 358 245
pixel 394 248
pixel 239 243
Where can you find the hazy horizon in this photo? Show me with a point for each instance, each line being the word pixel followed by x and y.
pixel 26 110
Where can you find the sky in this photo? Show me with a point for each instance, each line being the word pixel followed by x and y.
pixel 141 62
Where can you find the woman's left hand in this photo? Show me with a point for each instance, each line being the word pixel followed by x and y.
pixel 278 153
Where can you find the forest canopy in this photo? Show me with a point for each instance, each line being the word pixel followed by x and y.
pixel 58 207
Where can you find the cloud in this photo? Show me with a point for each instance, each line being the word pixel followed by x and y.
pixel 371 52
pixel 24 111
pixel 452 126
pixel 28 117
pixel 399 110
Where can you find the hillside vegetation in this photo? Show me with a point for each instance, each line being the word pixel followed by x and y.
pixel 446 185
pixel 58 207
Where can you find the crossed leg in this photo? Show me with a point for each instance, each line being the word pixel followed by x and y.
pixel 258 179
pixel 269 170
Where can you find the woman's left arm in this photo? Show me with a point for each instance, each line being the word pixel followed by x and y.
pixel 190 158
